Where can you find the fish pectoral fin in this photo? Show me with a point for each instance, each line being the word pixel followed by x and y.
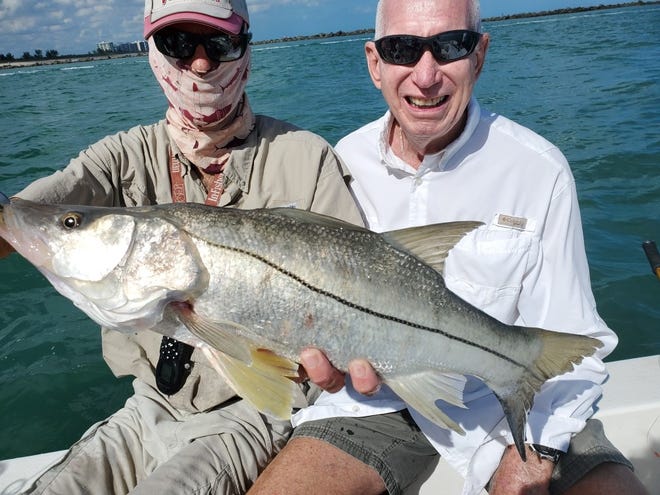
pixel 228 338
pixel 224 336
pixel 420 391
pixel 265 383
pixel 431 243
pixel 260 376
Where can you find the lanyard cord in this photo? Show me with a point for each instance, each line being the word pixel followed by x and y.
pixel 174 361
pixel 179 189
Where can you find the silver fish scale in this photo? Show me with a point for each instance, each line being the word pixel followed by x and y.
pixel 354 264
pixel 337 284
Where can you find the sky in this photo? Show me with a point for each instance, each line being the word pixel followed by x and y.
pixel 76 26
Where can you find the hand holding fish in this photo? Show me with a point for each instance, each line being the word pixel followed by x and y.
pixel 317 368
pixel 516 477
pixel 320 371
pixel 363 376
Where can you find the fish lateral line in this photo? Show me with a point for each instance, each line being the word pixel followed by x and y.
pixel 365 310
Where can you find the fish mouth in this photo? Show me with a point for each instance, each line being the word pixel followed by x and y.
pixel 426 102
pixel 3 232
pixel 4 200
pixel 31 247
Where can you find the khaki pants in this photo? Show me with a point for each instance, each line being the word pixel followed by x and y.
pixel 148 447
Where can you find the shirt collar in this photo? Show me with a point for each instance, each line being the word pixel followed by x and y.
pixel 436 161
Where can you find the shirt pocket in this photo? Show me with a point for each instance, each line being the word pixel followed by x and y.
pixel 487 269
pixel 134 195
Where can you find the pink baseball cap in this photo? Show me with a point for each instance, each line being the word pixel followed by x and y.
pixel 227 15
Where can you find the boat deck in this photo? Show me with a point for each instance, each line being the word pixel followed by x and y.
pixel 629 410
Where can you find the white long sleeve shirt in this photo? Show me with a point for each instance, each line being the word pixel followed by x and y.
pixel 527 266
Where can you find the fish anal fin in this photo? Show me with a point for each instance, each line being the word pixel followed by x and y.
pixel 421 390
pixel 263 384
pixel 431 243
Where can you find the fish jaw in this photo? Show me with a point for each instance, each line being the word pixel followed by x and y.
pixel 114 265
pixel 27 242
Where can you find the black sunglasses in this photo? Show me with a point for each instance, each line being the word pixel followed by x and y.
pixel 406 49
pixel 220 47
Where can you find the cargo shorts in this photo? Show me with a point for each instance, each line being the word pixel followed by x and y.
pixel 394 446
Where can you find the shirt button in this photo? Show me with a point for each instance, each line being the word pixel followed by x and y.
pixel 356 409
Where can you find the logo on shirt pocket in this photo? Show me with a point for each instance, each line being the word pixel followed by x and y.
pixel 488 266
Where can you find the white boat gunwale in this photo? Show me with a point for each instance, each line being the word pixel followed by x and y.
pixel 629 410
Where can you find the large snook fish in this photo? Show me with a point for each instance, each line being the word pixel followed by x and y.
pixel 254 288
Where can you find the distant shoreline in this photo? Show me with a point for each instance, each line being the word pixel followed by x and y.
pixel 66 59
pixel 70 59
pixel 571 10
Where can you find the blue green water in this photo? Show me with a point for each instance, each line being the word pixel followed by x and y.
pixel 588 82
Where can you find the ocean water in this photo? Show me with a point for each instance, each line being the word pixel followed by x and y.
pixel 588 82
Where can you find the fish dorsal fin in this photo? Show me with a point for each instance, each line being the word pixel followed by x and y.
pixel 431 243
pixel 416 389
pixel 260 376
pixel 311 217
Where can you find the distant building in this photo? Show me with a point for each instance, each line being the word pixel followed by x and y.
pixel 129 47
pixel 105 47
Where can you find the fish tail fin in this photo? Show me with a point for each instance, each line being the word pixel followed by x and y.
pixel 558 354
pixel 515 410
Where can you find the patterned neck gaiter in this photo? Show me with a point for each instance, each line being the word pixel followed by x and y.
pixel 205 113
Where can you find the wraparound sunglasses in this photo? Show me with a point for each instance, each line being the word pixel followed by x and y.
pixel 406 49
pixel 220 47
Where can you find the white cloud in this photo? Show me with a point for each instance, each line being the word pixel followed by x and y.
pixel 10 5
pixel 92 11
pixel 22 24
pixel 263 6
pixel 57 15
pixel 81 24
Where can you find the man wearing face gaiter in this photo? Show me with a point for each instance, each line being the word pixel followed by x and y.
pixel 184 430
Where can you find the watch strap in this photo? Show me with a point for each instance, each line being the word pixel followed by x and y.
pixel 547 453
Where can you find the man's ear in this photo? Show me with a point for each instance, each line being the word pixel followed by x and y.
pixel 480 54
pixel 373 62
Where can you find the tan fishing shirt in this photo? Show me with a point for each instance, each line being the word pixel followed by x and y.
pixel 277 165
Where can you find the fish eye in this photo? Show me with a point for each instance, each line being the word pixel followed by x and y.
pixel 71 220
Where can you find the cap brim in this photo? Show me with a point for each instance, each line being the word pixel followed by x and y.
pixel 232 25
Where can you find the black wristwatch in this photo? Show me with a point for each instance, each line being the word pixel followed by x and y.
pixel 547 453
